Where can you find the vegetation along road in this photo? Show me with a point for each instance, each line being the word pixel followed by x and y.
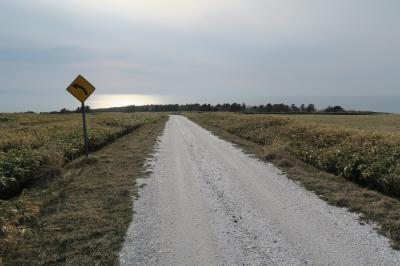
pixel 208 203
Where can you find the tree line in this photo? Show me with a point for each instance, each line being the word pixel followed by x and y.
pixel 226 107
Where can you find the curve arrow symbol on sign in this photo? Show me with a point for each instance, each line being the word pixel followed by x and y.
pixel 76 86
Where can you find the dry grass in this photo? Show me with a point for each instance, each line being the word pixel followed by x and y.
pixel 33 144
pixel 81 218
pixel 378 123
pixel 373 206
pixel 366 158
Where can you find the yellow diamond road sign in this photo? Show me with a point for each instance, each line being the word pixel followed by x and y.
pixel 81 88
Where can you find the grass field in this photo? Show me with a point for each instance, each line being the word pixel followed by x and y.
pixel 382 123
pixel 329 155
pixel 369 157
pixel 34 146
pixel 84 205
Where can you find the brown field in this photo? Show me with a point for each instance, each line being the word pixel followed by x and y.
pixel 379 123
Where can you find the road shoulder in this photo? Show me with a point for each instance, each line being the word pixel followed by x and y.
pixel 84 215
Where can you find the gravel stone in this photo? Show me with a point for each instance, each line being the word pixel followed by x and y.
pixel 208 203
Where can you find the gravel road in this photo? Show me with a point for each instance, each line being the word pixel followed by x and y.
pixel 208 203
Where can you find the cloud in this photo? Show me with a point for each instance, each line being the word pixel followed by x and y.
pixel 202 48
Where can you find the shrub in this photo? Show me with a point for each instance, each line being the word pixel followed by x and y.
pixel 369 159
pixel 35 146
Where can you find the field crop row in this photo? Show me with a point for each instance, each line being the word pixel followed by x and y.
pixel 368 158
pixel 33 146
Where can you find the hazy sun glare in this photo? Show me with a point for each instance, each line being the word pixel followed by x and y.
pixel 117 100
pixel 155 10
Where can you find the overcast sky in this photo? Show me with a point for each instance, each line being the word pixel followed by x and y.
pixel 204 50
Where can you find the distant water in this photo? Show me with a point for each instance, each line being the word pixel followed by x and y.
pixel 363 103
pixel 118 100
pixel 18 102
pixel 390 104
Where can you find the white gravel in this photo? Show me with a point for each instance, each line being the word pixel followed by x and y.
pixel 208 203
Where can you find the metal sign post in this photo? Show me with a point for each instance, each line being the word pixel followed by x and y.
pixel 85 136
pixel 81 89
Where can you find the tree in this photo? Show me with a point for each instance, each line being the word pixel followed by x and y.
pixel 294 108
pixel 79 109
pixel 268 107
pixel 334 109
pixel 311 108
pixel 235 107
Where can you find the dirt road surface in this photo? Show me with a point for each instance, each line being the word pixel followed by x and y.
pixel 208 203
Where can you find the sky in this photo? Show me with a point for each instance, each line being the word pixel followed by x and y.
pixel 185 51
